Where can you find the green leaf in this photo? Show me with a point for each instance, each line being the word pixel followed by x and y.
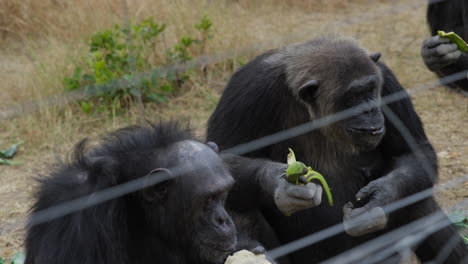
pixel 2 261
pixel 205 24
pixel 291 157
pixel 156 98
pixel 134 91
pixel 457 217
pixel 465 239
pixel 89 78
pixel 155 77
pixel 9 153
pixel 166 88
pixel 86 106
pixel 461 225
pixel 8 162
pixel 18 258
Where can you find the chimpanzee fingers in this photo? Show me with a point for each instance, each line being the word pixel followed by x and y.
pixel 361 221
pixel 290 198
pixel 366 190
pixel 258 250
pixel 289 206
pixel 318 195
pixel 450 57
pixel 439 51
pixel 347 209
pixel 435 62
pixel 434 41
pixel 305 192
pixel 444 49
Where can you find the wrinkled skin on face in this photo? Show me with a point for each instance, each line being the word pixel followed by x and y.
pixel 196 206
pixel 338 87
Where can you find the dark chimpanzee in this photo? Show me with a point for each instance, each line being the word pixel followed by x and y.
pixel 363 157
pixel 439 54
pixel 181 220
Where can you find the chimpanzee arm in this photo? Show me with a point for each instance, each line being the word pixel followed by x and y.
pixel 260 183
pixel 411 168
pixel 414 166
pixel 251 190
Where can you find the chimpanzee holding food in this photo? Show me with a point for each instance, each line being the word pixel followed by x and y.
pixel 441 55
pixel 364 158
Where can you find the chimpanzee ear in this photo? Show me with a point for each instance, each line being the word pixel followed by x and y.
pixel 375 56
pixel 159 191
pixel 213 146
pixel 308 90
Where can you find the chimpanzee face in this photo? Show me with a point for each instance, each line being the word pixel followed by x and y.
pixel 366 129
pixel 343 80
pixel 198 198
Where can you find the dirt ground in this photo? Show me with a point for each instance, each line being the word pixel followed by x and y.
pixel 396 28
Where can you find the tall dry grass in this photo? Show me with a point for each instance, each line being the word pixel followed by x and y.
pixel 42 39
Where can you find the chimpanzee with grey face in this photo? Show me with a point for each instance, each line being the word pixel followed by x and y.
pixel 365 160
pixel 181 220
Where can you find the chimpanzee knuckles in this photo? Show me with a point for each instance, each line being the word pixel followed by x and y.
pixel 290 198
pixel 361 221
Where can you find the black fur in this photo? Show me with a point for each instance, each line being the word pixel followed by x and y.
pixel 451 15
pixel 259 100
pixel 160 224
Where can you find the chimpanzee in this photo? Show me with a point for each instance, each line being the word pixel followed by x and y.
pixel 363 157
pixel 439 54
pixel 181 220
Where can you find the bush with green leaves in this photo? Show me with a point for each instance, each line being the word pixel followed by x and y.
pixel 121 52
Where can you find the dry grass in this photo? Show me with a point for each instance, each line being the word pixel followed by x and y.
pixel 40 40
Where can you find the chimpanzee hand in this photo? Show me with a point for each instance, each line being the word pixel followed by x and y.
pixel 291 198
pixel 438 52
pixel 371 217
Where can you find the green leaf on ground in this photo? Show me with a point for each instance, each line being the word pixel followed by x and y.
pixel 8 162
pixel 457 217
pixel 9 153
pixel 18 258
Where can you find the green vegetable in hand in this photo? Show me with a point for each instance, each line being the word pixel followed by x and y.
pixel 461 44
pixel 298 173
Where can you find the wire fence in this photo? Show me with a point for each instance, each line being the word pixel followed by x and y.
pixel 152 179
pixel 149 180
pixel 399 241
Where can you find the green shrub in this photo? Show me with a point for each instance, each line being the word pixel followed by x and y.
pixel 120 53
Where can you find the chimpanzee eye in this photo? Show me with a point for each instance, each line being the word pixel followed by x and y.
pixel 209 201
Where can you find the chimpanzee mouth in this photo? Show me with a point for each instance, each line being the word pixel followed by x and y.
pixel 221 247
pixel 366 131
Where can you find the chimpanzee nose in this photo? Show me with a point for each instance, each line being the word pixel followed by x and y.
pixel 221 220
